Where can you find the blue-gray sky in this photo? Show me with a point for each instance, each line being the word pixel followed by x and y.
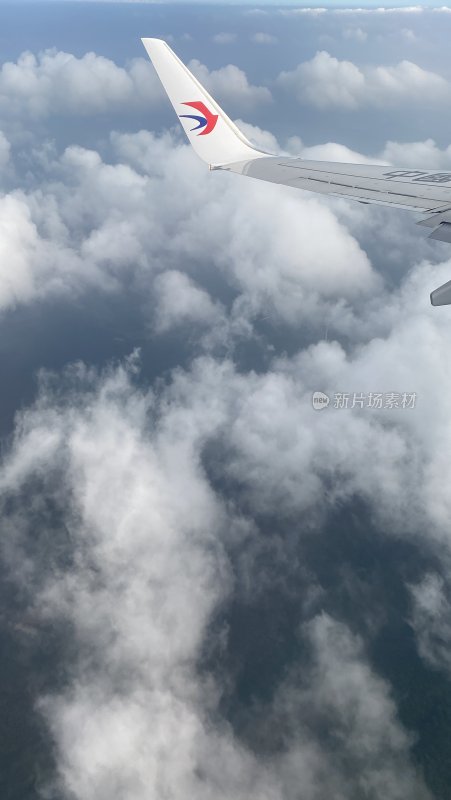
pixel 332 4
pixel 212 590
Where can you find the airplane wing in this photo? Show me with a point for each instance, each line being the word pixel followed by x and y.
pixel 220 143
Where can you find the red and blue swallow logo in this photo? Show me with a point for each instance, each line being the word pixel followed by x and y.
pixel 205 119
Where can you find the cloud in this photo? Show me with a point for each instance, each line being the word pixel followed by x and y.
pixel 158 583
pixel 431 620
pixel 342 694
pixel 179 300
pixel 326 82
pixel 149 570
pixel 31 267
pixel 259 137
pixel 408 35
pixel 383 10
pixel 59 83
pixel 168 495
pixel 318 11
pixel 152 531
pixel 263 38
pixel 418 154
pixel 403 154
pixel 314 12
pixel 120 225
pixel 329 151
pixel 358 34
pixel 225 38
pixel 155 206
pixel 5 151
pixel 284 454
pixel 18 241
pixel 230 85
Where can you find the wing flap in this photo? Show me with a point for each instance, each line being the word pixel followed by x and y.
pixel 442 295
pixel 367 183
pixel 442 233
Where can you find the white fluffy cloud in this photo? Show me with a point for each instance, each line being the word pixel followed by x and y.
pixel 156 206
pixel 403 154
pixel 327 82
pixel 179 300
pixel 230 85
pixel 418 154
pixel 33 266
pixel 18 244
pixel 55 83
pixel 329 151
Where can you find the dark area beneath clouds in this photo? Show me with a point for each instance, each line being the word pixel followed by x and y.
pixel 347 568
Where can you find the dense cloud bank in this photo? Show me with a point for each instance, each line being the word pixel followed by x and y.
pixel 151 549
pixel 177 528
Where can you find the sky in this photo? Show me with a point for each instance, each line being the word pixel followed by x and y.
pixel 330 4
pixel 210 588
pixel 333 4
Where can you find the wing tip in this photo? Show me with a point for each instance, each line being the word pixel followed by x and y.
pixel 152 42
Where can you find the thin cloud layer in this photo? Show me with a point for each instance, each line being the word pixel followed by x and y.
pixel 382 10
